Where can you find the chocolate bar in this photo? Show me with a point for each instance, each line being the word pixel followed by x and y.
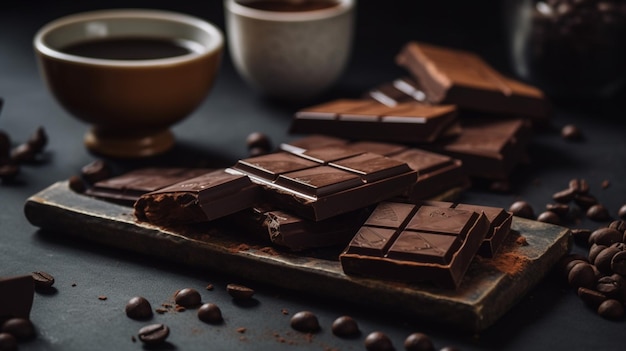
pixel 463 78
pixel 499 224
pixel 324 182
pixel 16 297
pixel 415 243
pixel 361 119
pixel 128 187
pixel 203 198
pixel 294 233
pixel 489 148
pixel 438 173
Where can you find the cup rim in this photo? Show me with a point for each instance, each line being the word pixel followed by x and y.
pixel 237 8
pixel 213 31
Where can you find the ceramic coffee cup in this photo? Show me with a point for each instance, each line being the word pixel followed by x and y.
pixel 286 52
pixel 129 73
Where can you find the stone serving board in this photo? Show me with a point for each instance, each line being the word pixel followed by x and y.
pixel 490 288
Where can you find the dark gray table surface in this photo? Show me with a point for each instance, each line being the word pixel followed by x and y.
pixel 73 318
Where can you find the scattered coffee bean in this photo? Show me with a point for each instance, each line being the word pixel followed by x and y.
pixel 258 140
pixel 345 326
pixel 96 171
pixel 153 334
pixel 559 209
pixel 418 342
pixel 598 213
pixel 139 308
pixel 579 186
pixel 257 151
pixel 20 328
pixel 618 263
pixel 23 153
pixel 571 132
pixel 618 225
pixel 581 275
pixel 564 196
pixel 239 291
pixel 594 250
pixel 5 147
pixel 603 259
pixel 605 236
pixel 549 217
pixel 622 212
pixel 42 280
pixel 522 209
pixel 38 140
pixel 613 286
pixel 210 313
pixel 9 171
pixel 591 297
pixel 188 297
pixel 7 342
pixel 305 321
pixel 378 341
pixel 76 184
pixel 611 309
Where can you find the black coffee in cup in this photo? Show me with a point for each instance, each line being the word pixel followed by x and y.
pixel 289 5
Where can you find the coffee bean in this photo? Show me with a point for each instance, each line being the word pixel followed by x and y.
pixel 378 341
pixel 613 286
pixel 622 212
pixel 571 264
pixel 565 263
pixel 598 213
pixel 42 280
pixel 210 313
pixel 559 209
pixel 258 140
pixel 549 217
pixel 345 326
pixel 96 171
pixel 564 196
pixel 188 297
pixel 257 151
pixel 7 342
pixel 522 209
pixel 591 297
pixel 618 263
pixel 153 334
pixel 76 184
pixel 418 342
pixel 571 132
pixel 579 186
pixel 239 291
pixel 305 321
pixel 138 307
pixel 594 251
pixel 9 171
pixel 618 225
pixel 5 146
pixel 605 236
pixel 581 275
pixel 585 201
pixel 20 328
pixel 611 309
pixel 603 259
pixel 38 140
pixel 23 153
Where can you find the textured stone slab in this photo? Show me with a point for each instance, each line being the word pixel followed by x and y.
pixel 490 288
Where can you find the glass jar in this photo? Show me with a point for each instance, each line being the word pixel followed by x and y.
pixel 569 48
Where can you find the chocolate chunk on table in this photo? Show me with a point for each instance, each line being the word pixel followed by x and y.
pixel 411 122
pixel 416 243
pixel 128 187
pixel 16 297
pixel 499 224
pixel 463 78
pixel 321 183
pixel 203 198
pixel 438 174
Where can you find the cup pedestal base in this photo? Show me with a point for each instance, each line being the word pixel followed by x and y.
pixel 129 146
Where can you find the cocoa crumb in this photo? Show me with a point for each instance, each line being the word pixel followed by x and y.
pixel 269 250
pixel 284 311
pixel 521 241
pixel 241 330
pixel 102 297
pixel 160 310
pixel 209 287
pixel 180 308
pixel 605 184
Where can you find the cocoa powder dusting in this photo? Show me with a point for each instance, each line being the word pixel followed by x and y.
pixel 511 263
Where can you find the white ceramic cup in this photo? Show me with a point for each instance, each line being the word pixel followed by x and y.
pixel 290 55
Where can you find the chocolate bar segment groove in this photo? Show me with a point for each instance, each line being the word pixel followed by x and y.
pixel 415 244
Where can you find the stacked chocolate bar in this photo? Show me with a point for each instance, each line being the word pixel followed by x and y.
pixel 452 103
